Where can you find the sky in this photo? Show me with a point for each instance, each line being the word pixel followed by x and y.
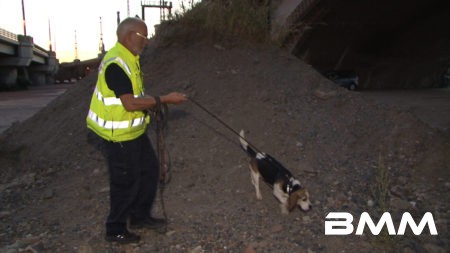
pixel 80 19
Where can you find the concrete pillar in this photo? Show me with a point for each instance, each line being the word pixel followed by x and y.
pixel 38 78
pixel 52 63
pixel 8 77
pixel 44 74
pixel 24 50
pixel 13 68
pixel 281 10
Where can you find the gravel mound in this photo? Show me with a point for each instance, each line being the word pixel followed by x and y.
pixel 353 156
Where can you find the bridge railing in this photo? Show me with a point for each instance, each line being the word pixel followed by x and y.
pixel 8 35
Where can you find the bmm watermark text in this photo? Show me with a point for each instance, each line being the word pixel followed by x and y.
pixel 340 223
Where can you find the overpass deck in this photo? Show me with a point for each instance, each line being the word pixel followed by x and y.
pixel 18 53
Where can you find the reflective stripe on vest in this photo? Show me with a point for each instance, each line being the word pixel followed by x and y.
pixel 115 124
pixel 122 62
pixel 109 100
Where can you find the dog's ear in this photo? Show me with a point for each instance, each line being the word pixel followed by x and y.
pixel 292 200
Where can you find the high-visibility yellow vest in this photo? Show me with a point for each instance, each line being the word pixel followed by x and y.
pixel 107 116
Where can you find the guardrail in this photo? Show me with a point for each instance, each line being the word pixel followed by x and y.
pixel 8 35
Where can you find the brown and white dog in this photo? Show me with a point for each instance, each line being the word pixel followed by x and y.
pixel 286 188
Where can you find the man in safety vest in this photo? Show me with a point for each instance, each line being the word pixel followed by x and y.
pixel 117 114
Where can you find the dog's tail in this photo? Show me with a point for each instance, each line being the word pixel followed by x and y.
pixel 244 144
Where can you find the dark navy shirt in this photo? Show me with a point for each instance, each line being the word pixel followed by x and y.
pixel 117 80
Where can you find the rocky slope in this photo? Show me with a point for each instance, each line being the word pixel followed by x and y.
pixel 351 154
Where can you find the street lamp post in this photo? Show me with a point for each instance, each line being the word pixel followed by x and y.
pixel 23 20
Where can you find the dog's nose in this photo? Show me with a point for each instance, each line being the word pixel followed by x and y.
pixel 306 208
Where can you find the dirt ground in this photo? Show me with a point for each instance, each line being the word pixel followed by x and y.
pixel 431 106
pixel 353 153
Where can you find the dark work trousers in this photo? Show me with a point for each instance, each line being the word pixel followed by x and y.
pixel 133 179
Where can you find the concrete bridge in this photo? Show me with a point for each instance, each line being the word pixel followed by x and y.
pixel 23 63
pixel 389 44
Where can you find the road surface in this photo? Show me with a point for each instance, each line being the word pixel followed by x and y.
pixel 17 106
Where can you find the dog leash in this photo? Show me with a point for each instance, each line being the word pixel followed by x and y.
pixel 236 133
pixel 160 111
pixel 270 160
pixel 223 123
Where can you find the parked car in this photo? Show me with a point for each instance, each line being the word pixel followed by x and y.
pixel 345 78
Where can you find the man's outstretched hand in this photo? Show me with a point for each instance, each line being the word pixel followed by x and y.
pixel 174 98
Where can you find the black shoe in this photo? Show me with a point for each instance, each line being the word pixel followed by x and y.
pixel 150 223
pixel 123 238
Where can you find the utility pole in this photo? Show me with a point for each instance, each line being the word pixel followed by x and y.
pixel 49 36
pixel 76 47
pixel 101 47
pixel 128 8
pixel 24 20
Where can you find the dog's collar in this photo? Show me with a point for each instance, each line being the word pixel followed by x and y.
pixel 292 186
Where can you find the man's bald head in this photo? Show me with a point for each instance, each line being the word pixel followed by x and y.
pixel 128 25
pixel 132 33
